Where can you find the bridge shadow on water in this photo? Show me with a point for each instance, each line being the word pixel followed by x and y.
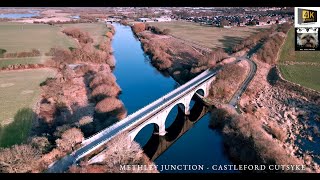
pixel 157 145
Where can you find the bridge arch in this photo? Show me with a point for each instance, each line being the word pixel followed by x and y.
pixel 178 108
pixel 157 128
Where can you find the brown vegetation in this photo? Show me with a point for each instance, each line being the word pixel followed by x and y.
pixel 32 53
pixel 246 140
pixel 19 159
pixel 65 102
pixel 99 79
pixel 124 22
pixel 227 82
pixel 138 27
pixel 209 60
pixel 82 37
pixel 69 139
pixel 253 40
pixel 103 91
pixel 22 66
pixel 157 30
pixel 276 131
pixel 159 56
pixel 109 35
pixel 270 49
pixel 119 152
pixel 85 53
pixel 108 104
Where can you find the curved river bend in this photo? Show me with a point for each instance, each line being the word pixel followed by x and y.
pixel 141 84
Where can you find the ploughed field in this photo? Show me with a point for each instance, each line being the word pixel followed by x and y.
pixel 208 36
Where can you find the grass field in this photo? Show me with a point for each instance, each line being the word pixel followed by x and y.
pixel 289 54
pixel 17 37
pixel 96 30
pixel 211 37
pixel 304 74
pixel 19 89
pixel 4 62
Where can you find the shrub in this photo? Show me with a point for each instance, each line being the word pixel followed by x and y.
pixel 123 22
pixel 120 152
pixel 247 142
pixel 109 35
pixel 41 144
pixel 166 31
pixel 99 79
pixel 19 159
pixel 82 37
pixel 108 104
pixel 138 27
pixel 277 132
pixel 32 53
pixel 269 50
pixel 2 52
pixel 160 58
pixel 103 91
pixel 69 139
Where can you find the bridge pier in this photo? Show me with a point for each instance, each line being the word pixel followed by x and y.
pixel 160 130
pixel 185 108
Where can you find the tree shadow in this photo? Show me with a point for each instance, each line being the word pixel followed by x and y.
pixel 19 130
pixel 72 48
pixel 272 76
pixel 229 41
pixel 2 52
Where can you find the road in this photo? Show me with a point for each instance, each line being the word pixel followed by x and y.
pixel 130 121
pixel 253 69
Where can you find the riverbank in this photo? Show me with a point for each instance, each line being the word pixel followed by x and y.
pixel 79 101
pixel 288 114
pixel 272 116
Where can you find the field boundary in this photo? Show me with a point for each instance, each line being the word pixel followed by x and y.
pixel 297 86
pixel 278 71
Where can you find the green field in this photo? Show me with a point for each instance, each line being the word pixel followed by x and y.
pixel 4 62
pixel 17 37
pixel 289 54
pixel 211 37
pixel 304 74
pixel 20 89
pixel 96 30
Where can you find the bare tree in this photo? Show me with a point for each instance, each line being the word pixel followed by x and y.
pixel 69 139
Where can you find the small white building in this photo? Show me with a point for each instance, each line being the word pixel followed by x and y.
pixel 163 19
pixel 145 20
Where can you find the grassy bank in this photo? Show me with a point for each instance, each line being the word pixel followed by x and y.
pixel 305 74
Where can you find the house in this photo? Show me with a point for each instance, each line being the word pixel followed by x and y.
pixel 145 20
pixel 75 17
pixel 163 19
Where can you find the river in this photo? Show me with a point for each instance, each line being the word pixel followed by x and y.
pixel 141 84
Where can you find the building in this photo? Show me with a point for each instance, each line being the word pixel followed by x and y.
pixel 145 20
pixel 163 19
